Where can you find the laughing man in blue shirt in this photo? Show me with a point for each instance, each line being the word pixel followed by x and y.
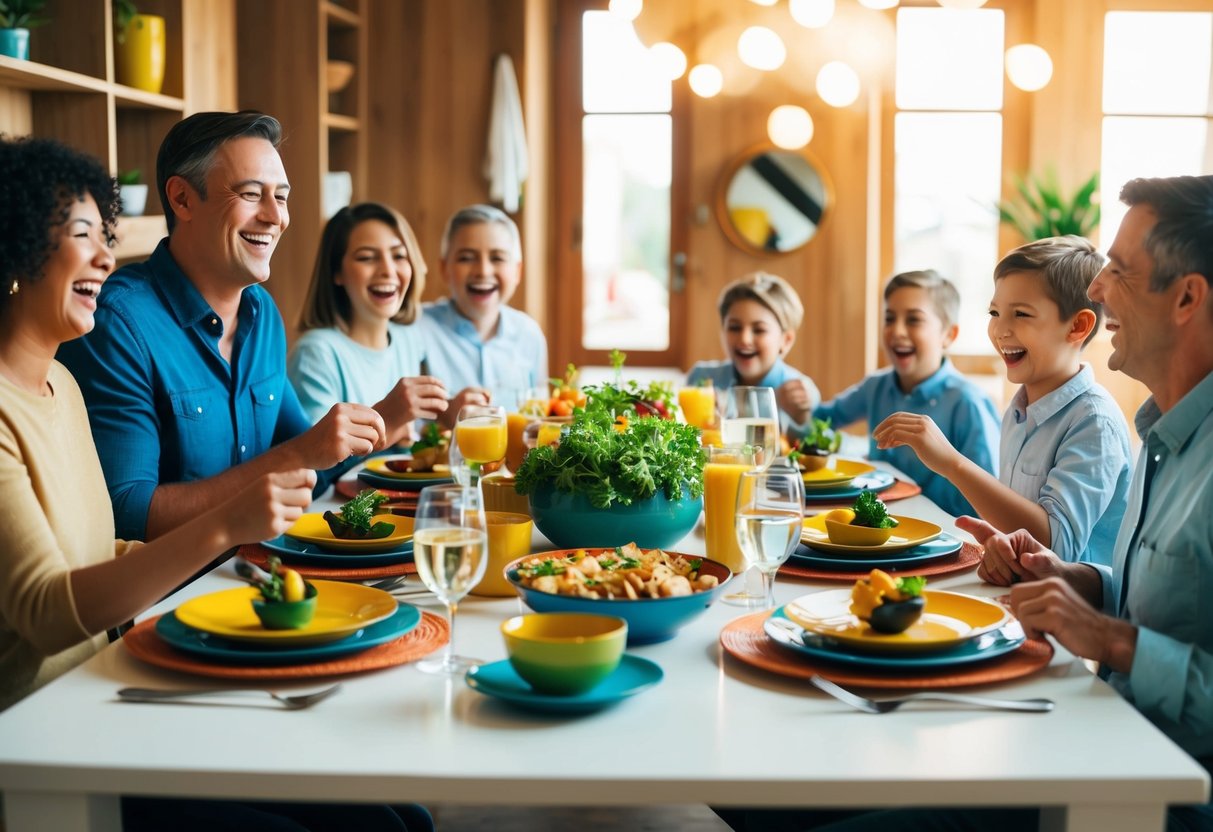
pixel 185 373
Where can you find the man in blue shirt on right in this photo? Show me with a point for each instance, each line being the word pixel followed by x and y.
pixel 1143 619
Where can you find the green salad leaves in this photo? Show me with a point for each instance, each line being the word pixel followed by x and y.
pixel 870 511
pixel 617 464
pixel 353 520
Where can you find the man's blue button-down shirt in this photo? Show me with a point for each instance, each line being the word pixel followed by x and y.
pixel 164 405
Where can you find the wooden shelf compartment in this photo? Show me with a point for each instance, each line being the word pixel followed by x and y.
pixel 339 15
pixel 138 236
pixel 129 98
pixel 30 75
pixel 342 123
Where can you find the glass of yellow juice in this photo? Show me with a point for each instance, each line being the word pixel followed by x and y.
pixel 481 436
pixel 721 475
pixel 698 405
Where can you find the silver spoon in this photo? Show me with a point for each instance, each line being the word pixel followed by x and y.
pixel 294 702
pixel 884 706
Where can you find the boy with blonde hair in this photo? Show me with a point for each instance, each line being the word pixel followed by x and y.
pixel 921 308
pixel 1064 474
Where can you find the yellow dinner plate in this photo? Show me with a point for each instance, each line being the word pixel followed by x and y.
pixel 378 466
pixel 342 609
pixel 949 619
pixel 908 534
pixel 837 473
pixel 311 528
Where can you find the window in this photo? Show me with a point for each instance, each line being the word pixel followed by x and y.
pixel 948 153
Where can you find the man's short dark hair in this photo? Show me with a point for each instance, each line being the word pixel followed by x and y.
pixel 189 148
pixel 1182 240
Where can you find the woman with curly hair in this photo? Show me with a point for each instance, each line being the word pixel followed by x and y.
pixel 64 579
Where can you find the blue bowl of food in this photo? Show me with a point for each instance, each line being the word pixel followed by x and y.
pixel 656 607
pixel 570 520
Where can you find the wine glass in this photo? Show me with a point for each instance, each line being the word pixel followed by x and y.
pixel 450 548
pixel 751 417
pixel 770 511
pixel 481 436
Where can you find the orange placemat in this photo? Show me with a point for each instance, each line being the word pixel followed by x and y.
pixel 431 633
pixel 743 639
pixel 258 555
pixel 967 558
pixel 352 488
pixel 899 490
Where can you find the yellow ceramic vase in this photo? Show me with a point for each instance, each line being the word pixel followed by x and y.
pixel 139 59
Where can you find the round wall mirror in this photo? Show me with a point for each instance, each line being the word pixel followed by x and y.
pixel 772 201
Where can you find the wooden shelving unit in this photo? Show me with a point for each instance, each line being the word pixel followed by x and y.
pixel 68 91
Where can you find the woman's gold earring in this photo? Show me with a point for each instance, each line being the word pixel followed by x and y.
pixel 15 288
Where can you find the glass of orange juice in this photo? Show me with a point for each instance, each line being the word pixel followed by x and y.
pixel 530 405
pixel 481 436
pixel 721 476
pixel 698 405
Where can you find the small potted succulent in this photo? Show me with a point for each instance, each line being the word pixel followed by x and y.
pixel 17 17
pixel 132 192
pixel 814 451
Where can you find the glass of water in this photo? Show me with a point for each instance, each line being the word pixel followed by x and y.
pixel 770 510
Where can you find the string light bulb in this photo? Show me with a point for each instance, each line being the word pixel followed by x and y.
pixel 706 80
pixel 626 9
pixel 878 5
pixel 790 127
pixel 760 48
pixel 838 84
pixel 1029 67
pixel 811 14
pixel 671 62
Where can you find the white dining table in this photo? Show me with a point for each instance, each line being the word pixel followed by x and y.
pixel 714 731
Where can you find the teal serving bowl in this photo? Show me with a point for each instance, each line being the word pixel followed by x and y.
pixel 568 520
pixel 286 615
pixel 564 654
pixel 649 619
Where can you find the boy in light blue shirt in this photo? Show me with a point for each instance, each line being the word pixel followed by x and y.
pixel 921 308
pixel 1064 474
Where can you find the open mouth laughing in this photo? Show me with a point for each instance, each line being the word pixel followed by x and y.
pixel 1013 355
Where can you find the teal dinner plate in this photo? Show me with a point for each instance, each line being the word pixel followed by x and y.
pixel 498 679
pixel 312 554
pixel 876 481
pixel 792 636
pixel 944 546
pixel 219 649
pixel 380 481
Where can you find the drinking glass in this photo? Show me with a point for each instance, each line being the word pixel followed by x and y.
pixel 450 548
pixel 698 405
pixel 751 417
pixel 481 436
pixel 721 478
pixel 527 405
pixel 770 510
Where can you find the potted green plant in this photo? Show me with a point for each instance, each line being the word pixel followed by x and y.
pixel 1042 210
pixel 818 444
pixel 132 192
pixel 17 17
pixel 139 47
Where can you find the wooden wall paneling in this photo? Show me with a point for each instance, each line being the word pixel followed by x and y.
pixel 279 44
pixel 139 135
pixel 209 58
pixel 74 37
pixel 538 93
pixel 81 120
pixel 16 115
pixel 567 190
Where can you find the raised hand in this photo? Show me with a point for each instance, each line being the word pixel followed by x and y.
pixel 346 430
pixel 794 399
pixel 268 506
pixel 922 435
pixel 420 397
pixel 466 396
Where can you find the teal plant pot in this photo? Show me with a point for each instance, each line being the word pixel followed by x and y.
pixel 569 521
pixel 15 43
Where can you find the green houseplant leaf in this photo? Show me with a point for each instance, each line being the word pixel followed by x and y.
pixel 1043 210
pixel 20 14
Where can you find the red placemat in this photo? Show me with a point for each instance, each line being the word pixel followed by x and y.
pixel 430 634
pixel 967 558
pixel 899 490
pixel 352 488
pixel 258 555
pixel 743 639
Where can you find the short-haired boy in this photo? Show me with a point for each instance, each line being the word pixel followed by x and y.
pixel 921 308
pixel 1064 474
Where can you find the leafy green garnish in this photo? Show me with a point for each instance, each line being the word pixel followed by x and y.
pixel 353 520
pixel 613 467
pixel 431 437
pixel 911 586
pixel 820 439
pixel 542 568
pixel 870 511
pixel 271 590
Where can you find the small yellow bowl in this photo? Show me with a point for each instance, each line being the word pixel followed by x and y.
pixel 564 653
pixel 845 534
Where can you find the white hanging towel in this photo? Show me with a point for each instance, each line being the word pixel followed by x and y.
pixel 505 158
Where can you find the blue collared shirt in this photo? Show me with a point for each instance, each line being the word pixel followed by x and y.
pixel 964 413
pixel 1163 571
pixel 514 360
pixel 724 375
pixel 326 367
pixel 1069 452
pixel 164 405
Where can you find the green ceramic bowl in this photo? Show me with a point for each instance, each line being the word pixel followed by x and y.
pixel 286 615
pixel 569 521
pixel 564 653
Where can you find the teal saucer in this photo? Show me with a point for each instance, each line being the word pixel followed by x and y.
pixel 299 553
pixel 876 481
pixel 498 679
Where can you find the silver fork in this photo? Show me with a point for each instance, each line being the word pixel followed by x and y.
pixel 884 706
pixel 294 702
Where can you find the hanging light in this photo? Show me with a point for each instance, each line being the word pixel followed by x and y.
pixel 838 84
pixel 706 80
pixel 760 48
pixel 962 4
pixel 1029 67
pixel 764 2
pixel 670 61
pixel 790 127
pixel 879 5
pixel 626 9
pixel 812 14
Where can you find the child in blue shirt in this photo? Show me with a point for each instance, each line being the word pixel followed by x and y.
pixel 921 308
pixel 759 316
pixel 1064 474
